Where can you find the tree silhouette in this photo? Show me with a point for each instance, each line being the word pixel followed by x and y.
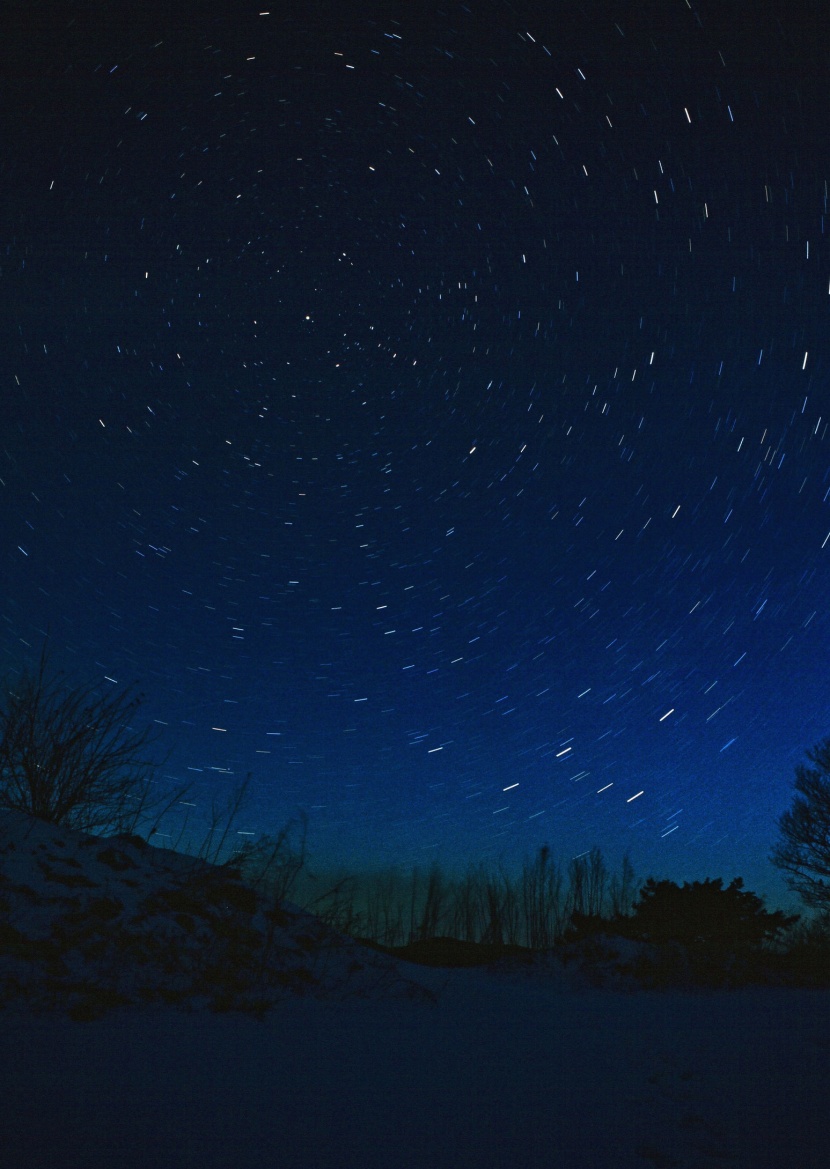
pixel 69 756
pixel 803 851
pixel 704 914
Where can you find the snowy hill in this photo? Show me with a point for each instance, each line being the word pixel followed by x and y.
pixel 88 923
pixel 123 969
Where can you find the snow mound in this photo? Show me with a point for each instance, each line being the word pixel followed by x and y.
pixel 89 923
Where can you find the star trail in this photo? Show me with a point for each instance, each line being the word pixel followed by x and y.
pixel 430 414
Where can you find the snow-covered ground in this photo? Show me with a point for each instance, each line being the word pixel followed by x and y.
pixel 499 1073
pixel 518 1068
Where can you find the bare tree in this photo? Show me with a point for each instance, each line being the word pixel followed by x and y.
pixel 510 908
pixel 541 885
pixel 494 902
pixel 803 850
pixel 384 912
pixel 623 889
pixel 597 881
pixel 415 886
pixel 69 755
pixel 577 885
pixel 467 905
pixel 274 863
pixel 433 908
pixel 220 827
pixel 336 907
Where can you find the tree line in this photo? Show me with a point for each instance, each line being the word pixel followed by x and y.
pixel 70 755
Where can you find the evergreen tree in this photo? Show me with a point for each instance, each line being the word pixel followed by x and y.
pixel 705 914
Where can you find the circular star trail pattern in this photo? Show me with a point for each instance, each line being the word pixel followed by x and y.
pixel 429 413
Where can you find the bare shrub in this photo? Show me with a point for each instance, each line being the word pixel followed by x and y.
pixel 68 755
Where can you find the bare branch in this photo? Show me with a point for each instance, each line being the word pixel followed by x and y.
pixel 803 850
pixel 71 756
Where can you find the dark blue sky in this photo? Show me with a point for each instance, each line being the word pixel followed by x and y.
pixel 430 413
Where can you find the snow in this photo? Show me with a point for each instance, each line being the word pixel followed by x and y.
pixel 496 1074
pixel 484 1069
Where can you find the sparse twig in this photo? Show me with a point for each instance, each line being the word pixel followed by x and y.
pixel 68 755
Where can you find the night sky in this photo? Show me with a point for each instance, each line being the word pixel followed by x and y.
pixel 429 414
